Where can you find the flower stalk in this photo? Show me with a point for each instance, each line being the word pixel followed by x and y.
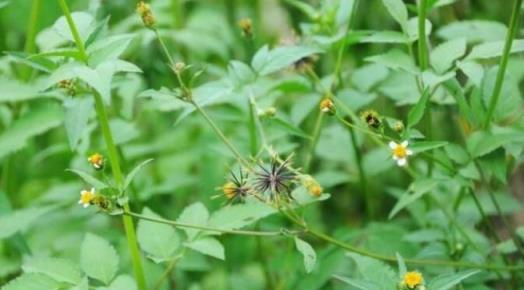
pixel 513 27
pixel 112 154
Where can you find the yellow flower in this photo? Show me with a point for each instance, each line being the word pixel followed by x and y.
pixel 412 279
pixel 97 160
pixel 400 152
pixel 327 106
pixel 312 185
pixel 230 190
pixel 144 10
pixel 86 197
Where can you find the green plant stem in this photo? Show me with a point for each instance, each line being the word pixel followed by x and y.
pixel 252 128
pixel 221 135
pixel 30 46
pixel 314 141
pixel 74 31
pixel 370 209
pixel 164 48
pixel 178 11
pixel 209 229
pixel 487 222
pixel 513 27
pixel 168 270
pixel 113 156
pixel 340 55
pixel 118 176
pixel 363 252
pixel 422 45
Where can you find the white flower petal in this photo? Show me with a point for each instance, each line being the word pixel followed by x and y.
pixel 404 144
pixel 409 152
pixel 395 157
pixel 80 202
pixel 392 145
pixel 402 162
pixel 86 205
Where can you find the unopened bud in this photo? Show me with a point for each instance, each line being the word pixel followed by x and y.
pixel 246 25
pixel 144 10
pixel 327 106
pixel 372 118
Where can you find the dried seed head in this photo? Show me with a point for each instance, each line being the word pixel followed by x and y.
pixel 372 118
pixel 68 85
pixel 268 112
pixel 327 106
pixel 246 25
pixel 275 180
pixel 304 64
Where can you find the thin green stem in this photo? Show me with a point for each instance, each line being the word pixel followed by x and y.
pixel 252 128
pixel 340 55
pixel 513 27
pixel 164 48
pixel 487 222
pixel 113 156
pixel 168 270
pixel 370 210
pixel 314 140
pixel 221 135
pixel 74 31
pixel 118 176
pixel 422 46
pixel 30 46
pixel 205 228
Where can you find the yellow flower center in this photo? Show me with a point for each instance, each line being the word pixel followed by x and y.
pixel 400 152
pixel 86 197
pixel 229 190
pixel 412 279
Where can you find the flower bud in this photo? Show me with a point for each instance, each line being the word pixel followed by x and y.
pixel 372 118
pixel 327 106
pixel 312 186
pixel 398 127
pixel 144 10
pixel 246 25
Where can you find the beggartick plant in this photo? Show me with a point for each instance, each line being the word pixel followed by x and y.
pixel 302 98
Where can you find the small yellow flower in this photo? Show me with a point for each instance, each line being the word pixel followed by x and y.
pixel 327 106
pixel 97 160
pixel 413 279
pixel 400 152
pixel 230 190
pixel 86 197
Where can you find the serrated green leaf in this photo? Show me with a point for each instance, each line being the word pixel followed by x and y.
pixel 374 271
pixel 239 215
pixel 481 143
pixel 61 270
pixel 416 190
pixel 90 179
pixel 208 246
pixel 443 56
pixel 494 49
pixel 108 48
pixel 122 282
pixel 16 91
pixel 395 59
pixel 134 172
pixel 473 31
pixel 447 281
pixel 358 283
pixel 194 214
pixel 77 112
pixel 98 259
pixel 268 61
pixel 398 10
pixel 31 124
pixel 33 282
pixel 310 257
pixel 20 220
pixel 417 112
pixel 159 241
